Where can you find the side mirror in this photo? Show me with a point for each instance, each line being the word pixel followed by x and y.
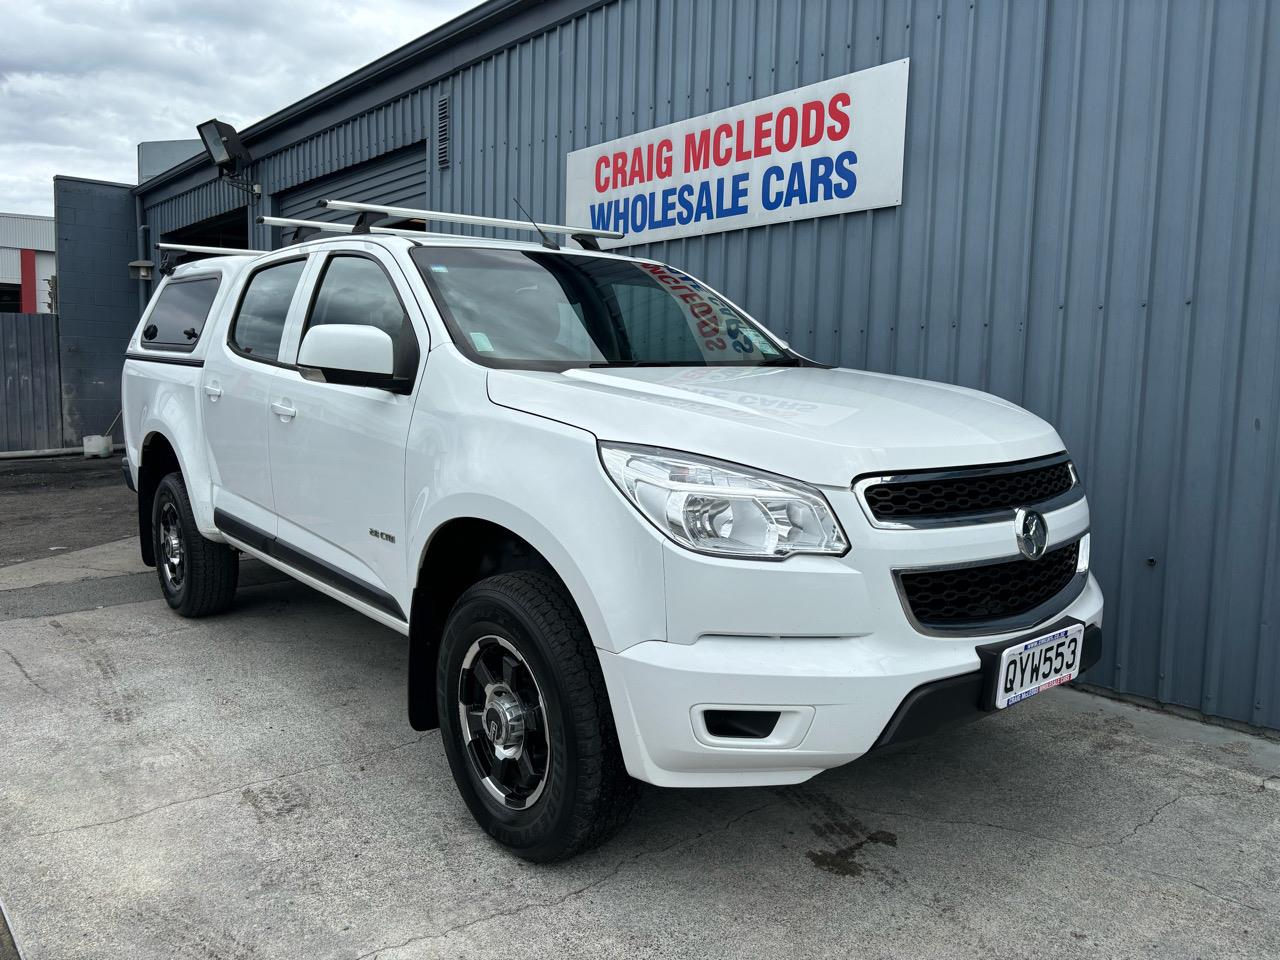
pixel 349 353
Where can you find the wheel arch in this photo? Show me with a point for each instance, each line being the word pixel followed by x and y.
pixel 461 551
pixel 158 457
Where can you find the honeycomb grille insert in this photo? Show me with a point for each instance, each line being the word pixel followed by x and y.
pixel 943 498
pixel 973 596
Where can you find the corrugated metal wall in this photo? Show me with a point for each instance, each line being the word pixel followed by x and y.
pixel 1089 228
pixel 20 230
pixel 207 200
pixel 389 129
pixel 30 388
pixel 398 178
pixel 10 265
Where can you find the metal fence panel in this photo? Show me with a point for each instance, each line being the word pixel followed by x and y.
pixel 30 391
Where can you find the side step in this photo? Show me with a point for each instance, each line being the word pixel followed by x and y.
pixel 304 562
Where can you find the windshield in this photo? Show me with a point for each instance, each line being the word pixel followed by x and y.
pixel 517 308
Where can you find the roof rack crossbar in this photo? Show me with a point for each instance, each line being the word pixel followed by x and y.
pixel 325 226
pixel 443 217
pixel 213 251
pixel 302 234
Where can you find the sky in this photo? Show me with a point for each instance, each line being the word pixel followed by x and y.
pixel 83 81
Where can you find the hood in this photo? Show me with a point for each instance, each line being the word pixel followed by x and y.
pixel 818 425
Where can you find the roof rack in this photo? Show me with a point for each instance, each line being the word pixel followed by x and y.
pixel 213 251
pixel 586 236
pixel 325 226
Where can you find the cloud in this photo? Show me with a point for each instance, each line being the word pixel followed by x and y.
pixel 83 81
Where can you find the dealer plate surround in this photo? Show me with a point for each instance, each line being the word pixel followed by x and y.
pixel 1032 666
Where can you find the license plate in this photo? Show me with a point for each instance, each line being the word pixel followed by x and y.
pixel 1036 665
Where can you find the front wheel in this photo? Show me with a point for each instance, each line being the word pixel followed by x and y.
pixel 526 721
pixel 198 576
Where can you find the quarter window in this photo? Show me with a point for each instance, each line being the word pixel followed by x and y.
pixel 179 314
pixel 259 322
pixel 357 290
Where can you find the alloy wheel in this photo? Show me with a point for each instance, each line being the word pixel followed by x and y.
pixel 172 550
pixel 503 720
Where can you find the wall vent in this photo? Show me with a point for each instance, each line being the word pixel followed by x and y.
pixel 442 133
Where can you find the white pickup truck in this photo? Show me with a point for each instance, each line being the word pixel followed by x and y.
pixel 628 532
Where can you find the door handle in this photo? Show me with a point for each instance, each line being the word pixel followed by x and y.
pixel 213 391
pixel 283 410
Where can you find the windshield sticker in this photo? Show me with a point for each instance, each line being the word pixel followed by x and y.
pixel 482 342
pixel 717 323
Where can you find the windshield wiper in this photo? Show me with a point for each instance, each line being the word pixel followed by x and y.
pixel 781 362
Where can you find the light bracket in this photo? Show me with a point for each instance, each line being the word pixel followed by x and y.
pixel 226 151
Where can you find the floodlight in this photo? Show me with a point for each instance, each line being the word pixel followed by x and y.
pixel 222 144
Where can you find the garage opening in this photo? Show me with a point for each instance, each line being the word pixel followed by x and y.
pixel 230 229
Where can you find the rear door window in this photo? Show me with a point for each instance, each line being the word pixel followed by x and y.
pixel 264 307
pixel 179 314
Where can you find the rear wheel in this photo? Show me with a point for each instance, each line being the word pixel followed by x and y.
pixel 198 577
pixel 526 722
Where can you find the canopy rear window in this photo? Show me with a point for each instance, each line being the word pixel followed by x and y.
pixel 179 314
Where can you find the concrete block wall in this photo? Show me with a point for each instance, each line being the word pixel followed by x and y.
pixel 97 301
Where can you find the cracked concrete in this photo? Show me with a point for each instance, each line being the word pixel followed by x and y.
pixel 247 786
pixel 576 892
pixel 234 788
pixel 93 563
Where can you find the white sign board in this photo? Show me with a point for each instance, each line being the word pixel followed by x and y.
pixel 831 147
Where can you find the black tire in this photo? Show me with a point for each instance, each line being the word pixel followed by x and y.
pixel 585 794
pixel 203 579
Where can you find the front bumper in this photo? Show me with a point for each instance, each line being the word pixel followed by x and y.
pixel 837 696
pixel 945 703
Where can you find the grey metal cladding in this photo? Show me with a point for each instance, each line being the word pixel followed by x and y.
pixel 30 401
pixel 398 178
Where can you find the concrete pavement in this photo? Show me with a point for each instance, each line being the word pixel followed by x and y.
pixel 247 786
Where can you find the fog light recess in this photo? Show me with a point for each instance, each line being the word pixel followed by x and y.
pixel 750 726
pixel 744 724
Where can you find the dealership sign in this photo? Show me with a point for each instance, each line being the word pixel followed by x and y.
pixel 831 147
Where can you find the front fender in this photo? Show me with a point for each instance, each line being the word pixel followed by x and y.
pixel 543 481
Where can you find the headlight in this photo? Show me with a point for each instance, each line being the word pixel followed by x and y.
pixel 721 508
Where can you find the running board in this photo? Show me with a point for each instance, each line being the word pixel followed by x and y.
pixel 304 562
